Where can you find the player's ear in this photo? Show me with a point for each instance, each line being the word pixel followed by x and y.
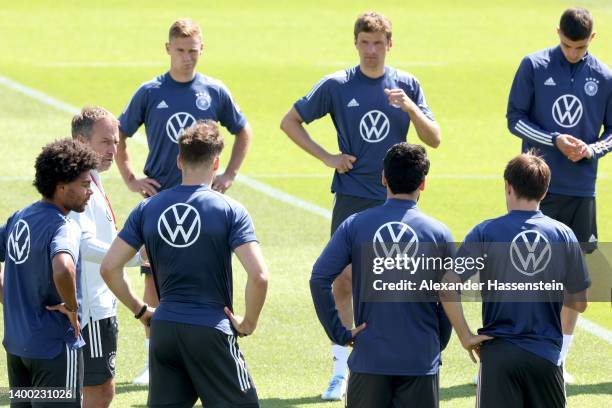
pixel 423 183
pixel 384 179
pixel 178 162
pixel 168 48
pixel 216 164
pixel 389 44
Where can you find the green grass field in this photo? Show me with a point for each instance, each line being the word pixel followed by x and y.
pixel 269 54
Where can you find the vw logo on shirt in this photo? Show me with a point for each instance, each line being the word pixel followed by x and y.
pixel 176 125
pixel 179 225
pixel 19 242
pixel 567 111
pixel 374 126
pixel 395 239
pixel 530 252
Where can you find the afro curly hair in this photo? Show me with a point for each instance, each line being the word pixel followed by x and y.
pixel 62 161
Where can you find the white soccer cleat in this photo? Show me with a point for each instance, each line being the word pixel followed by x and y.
pixel 475 379
pixel 143 378
pixel 568 378
pixel 336 389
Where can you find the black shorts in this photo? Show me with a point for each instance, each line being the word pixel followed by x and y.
pixel 347 205
pixel 511 377
pixel 382 391
pixel 63 371
pixel 100 350
pixel 187 362
pixel 578 213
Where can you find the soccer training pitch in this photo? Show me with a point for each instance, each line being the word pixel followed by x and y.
pixel 58 56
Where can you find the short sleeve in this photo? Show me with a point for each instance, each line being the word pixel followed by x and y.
pixel 66 239
pixel 471 248
pixel 577 276
pixel 133 115
pixel 417 95
pixel 230 115
pixel 242 229
pixel 132 230
pixel 317 103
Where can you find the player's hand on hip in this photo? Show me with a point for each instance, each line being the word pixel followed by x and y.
pixel 341 162
pixel 146 187
pixel 355 332
pixel 71 315
pixel 472 344
pixel 242 326
pixel 145 319
pixel 222 182
pixel 399 99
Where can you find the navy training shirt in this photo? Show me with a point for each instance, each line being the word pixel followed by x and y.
pixel 532 326
pixel 28 243
pixel 189 233
pixel 401 338
pixel 166 108
pixel 550 96
pixel 366 124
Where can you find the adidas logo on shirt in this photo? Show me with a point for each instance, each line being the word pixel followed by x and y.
pixel 162 105
pixel 550 82
pixel 353 103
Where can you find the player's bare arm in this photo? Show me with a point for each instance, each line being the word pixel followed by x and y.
pixel 64 277
pixel 145 186
pixel 427 129
pixel 250 257
pixel 451 301
pixel 292 125
pixel 113 274
pixel 242 142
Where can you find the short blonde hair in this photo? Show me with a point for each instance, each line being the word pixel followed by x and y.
pixel 372 22
pixel 184 28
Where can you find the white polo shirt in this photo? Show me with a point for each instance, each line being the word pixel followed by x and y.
pixel 98 232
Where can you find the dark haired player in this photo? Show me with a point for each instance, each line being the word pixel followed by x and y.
pixel 560 99
pixel 397 345
pixel 41 281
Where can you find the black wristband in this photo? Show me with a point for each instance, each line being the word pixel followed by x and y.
pixel 142 311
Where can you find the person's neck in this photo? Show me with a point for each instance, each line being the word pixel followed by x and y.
pixel 56 203
pixel 406 197
pixel 523 205
pixel 182 76
pixel 197 177
pixel 373 73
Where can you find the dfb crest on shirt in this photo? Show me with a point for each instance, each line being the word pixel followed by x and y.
pixel 374 126
pixel 202 100
pixel 176 125
pixel 19 242
pixel 179 225
pixel 395 239
pixel 530 252
pixel 567 111
pixel 591 86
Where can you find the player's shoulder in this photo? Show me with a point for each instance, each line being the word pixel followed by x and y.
pixel 542 58
pixel 435 226
pixel 338 77
pixel 398 75
pixel 211 82
pixel 154 83
pixel 602 68
pixel 558 230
